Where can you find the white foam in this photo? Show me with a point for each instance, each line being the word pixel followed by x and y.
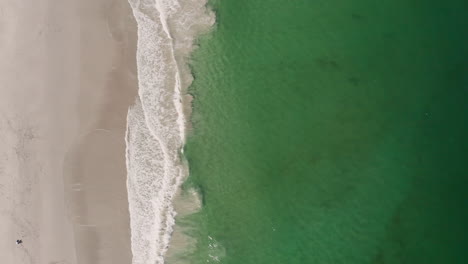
pixel 156 123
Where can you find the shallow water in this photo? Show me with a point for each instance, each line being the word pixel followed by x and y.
pixel 157 122
pixel 330 132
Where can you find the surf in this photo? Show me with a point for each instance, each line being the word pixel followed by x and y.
pixel 157 122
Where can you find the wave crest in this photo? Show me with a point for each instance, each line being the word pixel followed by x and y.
pixel 156 124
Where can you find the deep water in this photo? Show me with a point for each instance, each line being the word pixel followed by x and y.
pixel 331 132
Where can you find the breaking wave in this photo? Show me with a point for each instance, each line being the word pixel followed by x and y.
pixel 156 124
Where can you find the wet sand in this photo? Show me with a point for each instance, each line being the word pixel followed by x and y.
pixel 67 78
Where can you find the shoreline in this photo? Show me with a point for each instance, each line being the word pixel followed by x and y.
pixel 71 85
pixel 97 184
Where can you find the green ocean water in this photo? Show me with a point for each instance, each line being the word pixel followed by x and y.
pixel 331 132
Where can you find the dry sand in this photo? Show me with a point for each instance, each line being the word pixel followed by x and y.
pixel 67 77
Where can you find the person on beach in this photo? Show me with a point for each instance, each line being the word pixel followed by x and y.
pixel 19 241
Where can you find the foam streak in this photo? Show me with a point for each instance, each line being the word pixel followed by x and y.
pixel 156 123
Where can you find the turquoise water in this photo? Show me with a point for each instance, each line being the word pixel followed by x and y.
pixel 331 132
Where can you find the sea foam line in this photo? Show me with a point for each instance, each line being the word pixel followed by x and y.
pixel 156 123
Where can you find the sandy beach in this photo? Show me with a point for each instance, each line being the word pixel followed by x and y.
pixel 67 78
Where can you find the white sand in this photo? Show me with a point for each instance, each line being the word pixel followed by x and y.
pixel 67 77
